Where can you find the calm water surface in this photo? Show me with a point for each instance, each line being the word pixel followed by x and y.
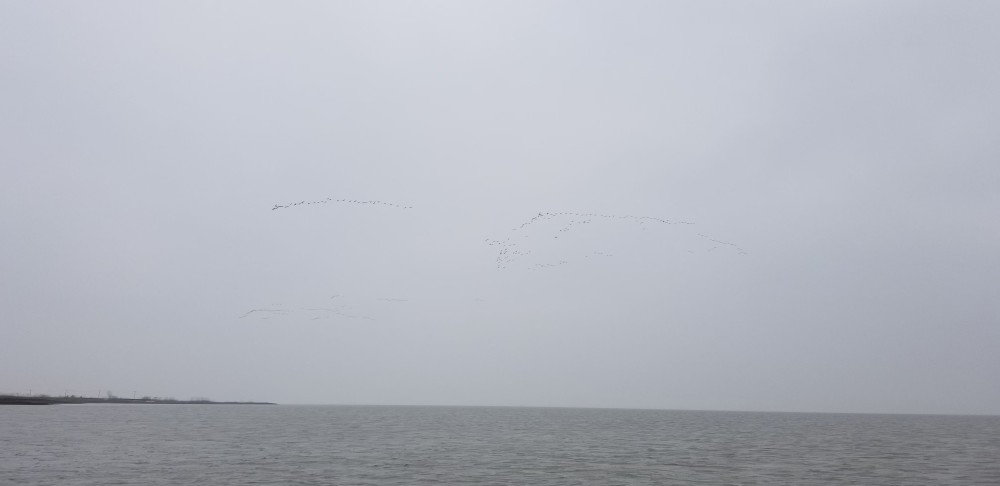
pixel 289 445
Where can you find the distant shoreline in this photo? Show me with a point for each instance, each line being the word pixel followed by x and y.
pixel 39 400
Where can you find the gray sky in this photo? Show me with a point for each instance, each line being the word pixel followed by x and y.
pixel 837 160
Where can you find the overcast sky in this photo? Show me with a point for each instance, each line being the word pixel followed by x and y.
pixel 789 206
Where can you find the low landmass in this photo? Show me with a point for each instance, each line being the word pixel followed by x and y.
pixel 48 400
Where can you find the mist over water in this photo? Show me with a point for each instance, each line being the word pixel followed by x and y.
pixel 782 205
pixel 370 445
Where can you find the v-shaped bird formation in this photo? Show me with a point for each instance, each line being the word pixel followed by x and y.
pixel 526 238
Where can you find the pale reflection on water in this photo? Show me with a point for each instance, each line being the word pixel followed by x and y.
pixel 222 444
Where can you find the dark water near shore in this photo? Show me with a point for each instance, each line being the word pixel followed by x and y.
pixel 230 445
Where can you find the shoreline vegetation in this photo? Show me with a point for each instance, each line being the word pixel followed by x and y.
pixel 73 399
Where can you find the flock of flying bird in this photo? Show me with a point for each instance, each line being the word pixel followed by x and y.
pixel 341 308
pixel 511 249
pixel 345 201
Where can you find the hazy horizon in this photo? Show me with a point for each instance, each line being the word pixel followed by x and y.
pixel 759 206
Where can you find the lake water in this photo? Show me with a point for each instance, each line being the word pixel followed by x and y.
pixel 348 445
